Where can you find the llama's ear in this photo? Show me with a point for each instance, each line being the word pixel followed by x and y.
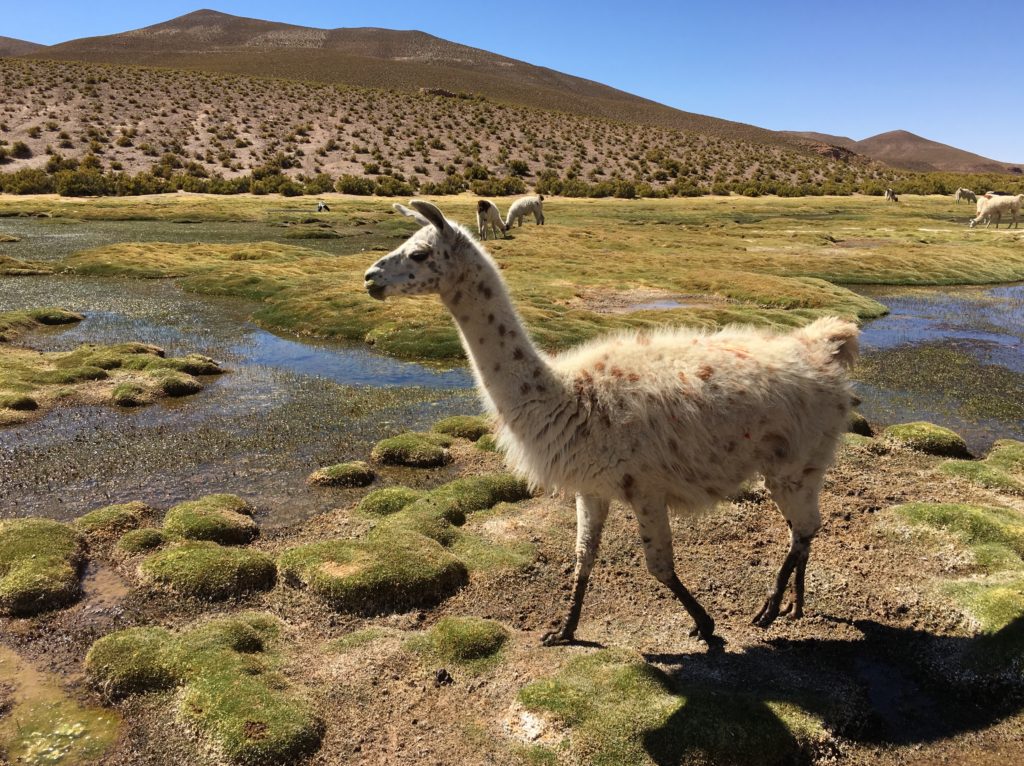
pixel 412 214
pixel 431 212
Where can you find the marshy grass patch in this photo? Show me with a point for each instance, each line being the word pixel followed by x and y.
pixel 175 384
pixel 615 708
pixel 415 449
pixel 355 474
pixel 868 443
pixel 384 502
pixel 472 643
pixel 1002 469
pixel 932 439
pixel 208 571
pixel 487 443
pixel 470 427
pixel 114 520
pixel 220 518
pixel 40 565
pixel 232 691
pixel 14 267
pixel 14 323
pixel 130 395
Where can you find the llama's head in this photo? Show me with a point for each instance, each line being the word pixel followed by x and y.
pixel 424 263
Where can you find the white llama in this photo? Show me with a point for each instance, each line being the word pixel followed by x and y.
pixel 487 213
pixel 674 419
pixel 523 207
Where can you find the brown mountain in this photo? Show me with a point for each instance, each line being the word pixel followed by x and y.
pixel 9 46
pixel 404 60
pixel 902 149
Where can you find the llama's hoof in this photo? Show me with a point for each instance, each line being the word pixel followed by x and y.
pixel 557 638
pixel 767 615
pixel 793 610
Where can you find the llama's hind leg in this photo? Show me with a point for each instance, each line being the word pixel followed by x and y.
pixel 797 498
pixel 656 536
pixel 591 512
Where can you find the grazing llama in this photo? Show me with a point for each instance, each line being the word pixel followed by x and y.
pixel 487 213
pixel 965 194
pixel 523 207
pixel 673 419
pixel 890 196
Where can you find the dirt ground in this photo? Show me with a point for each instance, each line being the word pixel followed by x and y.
pixel 877 647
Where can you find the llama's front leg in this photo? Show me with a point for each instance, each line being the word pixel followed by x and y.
pixel 591 512
pixel 656 535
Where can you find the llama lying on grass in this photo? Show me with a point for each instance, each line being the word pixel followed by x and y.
pixel 675 419
pixel 487 214
pixel 992 209
pixel 523 207
pixel 890 196
pixel 965 194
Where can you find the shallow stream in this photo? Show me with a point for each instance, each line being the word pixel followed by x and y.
pixel 954 356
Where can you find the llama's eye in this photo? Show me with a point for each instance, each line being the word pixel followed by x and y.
pixel 420 255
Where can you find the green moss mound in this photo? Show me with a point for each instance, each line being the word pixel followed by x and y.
pixel 384 502
pixel 192 364
pixel 875 446
pixel 20 402
pixel 1002 468
pixel 995 536
pixel 232 692
pixel 470 427
pixel 993 533
pixel 140 541
pixel 392 573
pixel 405 560
pixel 209 571
pixel 40 562
pixel 13 323
pixel 419 450
pixel 437 514
pixel 928 437
pixel 114 519
pixel 354 474
pixel 176 384
pixel 225 519
pixel 467 641
pixel 129 395
pixel 487 443
pixel 619 710
pixel 859 425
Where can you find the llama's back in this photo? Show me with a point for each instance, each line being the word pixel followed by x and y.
pixel 693 413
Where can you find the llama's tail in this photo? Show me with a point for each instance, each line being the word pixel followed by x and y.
pixel 839 336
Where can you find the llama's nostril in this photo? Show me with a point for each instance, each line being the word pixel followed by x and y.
pixel 372 273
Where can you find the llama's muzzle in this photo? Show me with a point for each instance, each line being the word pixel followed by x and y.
pixel 376 291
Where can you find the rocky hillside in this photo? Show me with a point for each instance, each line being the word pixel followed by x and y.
pixel 176 121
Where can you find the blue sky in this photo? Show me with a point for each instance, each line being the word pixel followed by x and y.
pixel 852 69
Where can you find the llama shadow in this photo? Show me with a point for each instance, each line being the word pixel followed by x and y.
pixel 895 686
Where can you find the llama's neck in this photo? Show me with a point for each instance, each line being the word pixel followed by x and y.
pixel 510 369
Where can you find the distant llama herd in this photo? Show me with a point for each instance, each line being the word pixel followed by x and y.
pixel 990 207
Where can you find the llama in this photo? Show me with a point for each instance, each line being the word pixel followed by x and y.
pixel 523 206
pixel 487 213
pixel 994 207
pixel 674 419
pixel 890 196
pixel 966 195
